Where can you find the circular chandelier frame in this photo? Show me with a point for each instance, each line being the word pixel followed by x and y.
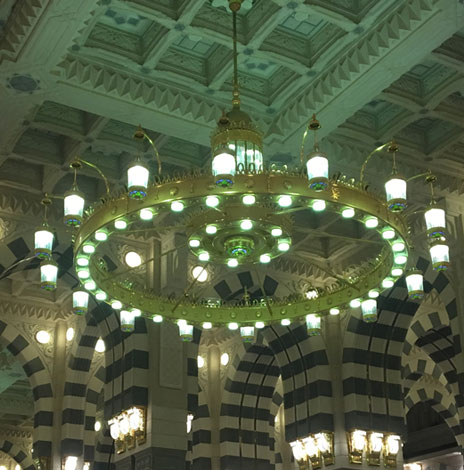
pixel 266 187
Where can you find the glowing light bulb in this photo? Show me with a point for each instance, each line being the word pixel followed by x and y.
pixel 318 205
pixel 158 319
pixel 276 232
pixel 120 224
pixel 348 213
pixel 246 224
pixel 194 243
pixel 285 322
pixel 264 258
pixel 212 201
pixel 334 311
pixel 249 199
pixel 232 263
pixel 211 229
pixel 146 214
pixel 355 303
pixel 177 206
pixel 283 246
pixel 284 201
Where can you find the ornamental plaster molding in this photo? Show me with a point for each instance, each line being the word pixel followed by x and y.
pixel 28 312
pixel 16 434
pixel 20 25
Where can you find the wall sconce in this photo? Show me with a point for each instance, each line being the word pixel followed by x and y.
pixel 374 447
pixel 314 449
pixel 128 428
pixel 356 445
pixel 392 447
pixel 70 463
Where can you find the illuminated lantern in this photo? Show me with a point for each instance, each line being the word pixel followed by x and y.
pixel 318 171
pixel 298 450
pixel 185 330
pixel 439 252
pixel 80 302
pixel 247 333
pixel 435 221
pixel 127 321
pixel 395 189
pixel 48 274
pixel 224 167
pixel 43 242
pixel 137 180
pixel 415 284
pixel 392 447
pixel 114 429
pixel 73 207
pixel 374 447
pixel 369 310
pixel 356 445
pixel 313 324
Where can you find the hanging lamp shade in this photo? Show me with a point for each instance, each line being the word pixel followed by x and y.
pixel 415 284
pixel 435 221
pixel 223 167
pixel 137 180
pixel 247 333
pixel 43 242
pixel 185 330
pixel 439 253
pixel 318 171
pixel 395 190
pixel 127 321
pixel 80 301
pixel 73 207
pixel 48 274
pixel 369 310
pixel 313 324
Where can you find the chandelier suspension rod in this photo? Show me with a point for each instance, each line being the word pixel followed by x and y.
pixel 363 168
pixel 139 135
pixel 235 6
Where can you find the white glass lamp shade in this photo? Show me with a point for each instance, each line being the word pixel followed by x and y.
pixel 415 284
pixel 114 429
pixel 73 207
pixel 369 310
pixel 137 180
pixel 310 446
pixel 435 221
pixel 318 171
pixel 298 449
pixel 375 442
pixel 313 324
pixel 80 302
pixel 358 440
pixel 48 274
pixel 224 167
pixel 247 333
pixel 70 463
pixel 392 444
pixel 439 252
pixel 185 330
pixel 395 190
pixel 43 242
pixel 124 424
pixel 127 321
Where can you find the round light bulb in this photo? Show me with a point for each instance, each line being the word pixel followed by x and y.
pixel 177 206
pixel 136 312
pixel 207 325
pixel 388 233
pixel 284 201
pixel 200 361
pixel 397 272
pixel 318 205
pixel 259 325
pixel 211 229
pixel 88 249
pixel 249 199
pixel 401 259
pixel 203 256
pixel 101 295
pixel 371 222
pixel 158 319
pixel 373 294
pixel 194 243
pixel 69 334
pixel 276 232
pixel 42 337
pixel 334 311
pixel 90 285
pixel 246 224
pixel 285 322
pixel 101 235
pixel 348 213
pixel 398 246
pixel 200 273
pixel 146 214
pixel 133 259
pixel 116 305
pixel 81 261
pixel 233 326
pixel 83 274
pixel 283 246
pixel 212 201
pixel 387 283
pixel 232 263
pixel 224 359
pixel 100 346
pixel 264 258
pixel 120 224
pixel 97 426
pixel 355 303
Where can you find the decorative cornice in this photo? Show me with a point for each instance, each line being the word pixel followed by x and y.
pixel 20 309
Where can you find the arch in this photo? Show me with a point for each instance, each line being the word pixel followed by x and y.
pixel 246 406
pixel 17 455
pixel 429 390
pixel 40 381
pixel 306 379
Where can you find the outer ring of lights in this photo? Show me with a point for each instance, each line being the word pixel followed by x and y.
pixel 267 187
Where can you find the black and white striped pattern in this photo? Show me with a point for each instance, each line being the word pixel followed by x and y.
pixel 24 460
pixel 40 381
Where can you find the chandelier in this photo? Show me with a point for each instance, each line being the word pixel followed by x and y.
pixel 242 214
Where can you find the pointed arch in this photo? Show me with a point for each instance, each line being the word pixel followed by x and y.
pixel 15 452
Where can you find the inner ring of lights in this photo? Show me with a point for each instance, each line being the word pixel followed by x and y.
pixel 267 187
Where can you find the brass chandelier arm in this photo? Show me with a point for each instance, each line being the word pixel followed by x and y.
pixel 366 161
pixel 158 159
pixel 95 167
pixel 427 174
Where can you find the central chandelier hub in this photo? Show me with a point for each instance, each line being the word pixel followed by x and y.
pixel 245 234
